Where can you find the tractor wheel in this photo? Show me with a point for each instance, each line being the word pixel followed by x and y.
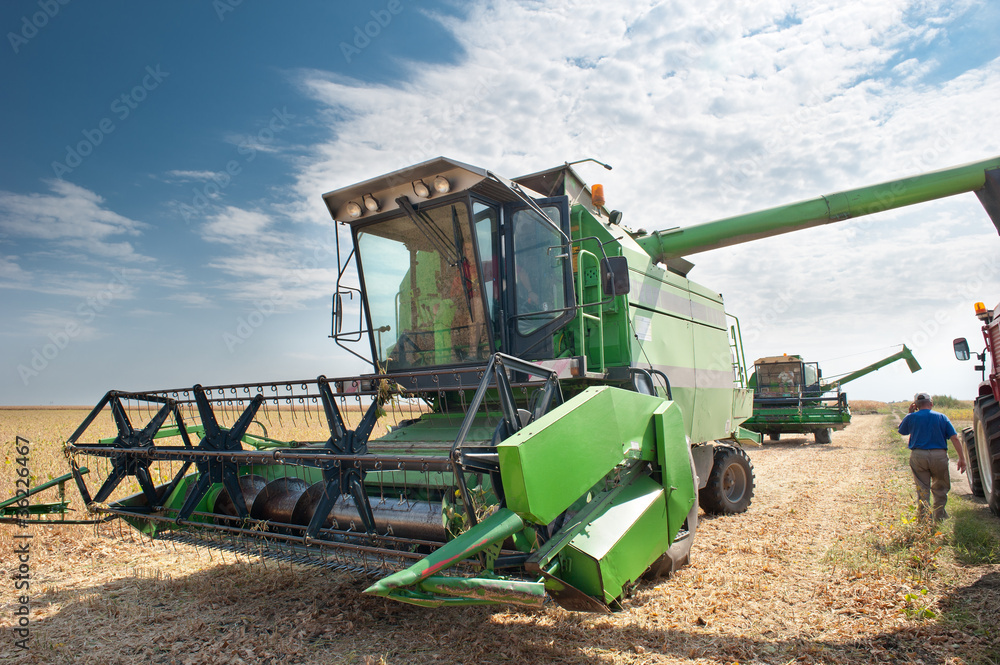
pixel 730 485
pixel 774 436
pixel 986 423
pixel 679 552
pixel 824 435
pixel 968 439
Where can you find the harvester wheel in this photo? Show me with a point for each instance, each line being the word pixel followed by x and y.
pixel 986 423
pixel 968 439
pixel 730 485
pixel 678 554
pixel 824 435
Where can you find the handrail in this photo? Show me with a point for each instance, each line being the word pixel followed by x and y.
pixel 584 315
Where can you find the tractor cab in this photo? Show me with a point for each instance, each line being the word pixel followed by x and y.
pixel 456 264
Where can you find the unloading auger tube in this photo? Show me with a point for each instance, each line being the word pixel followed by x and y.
pixel 547 407
pixel 982 177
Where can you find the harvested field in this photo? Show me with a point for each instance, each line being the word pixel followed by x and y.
pixel 825 567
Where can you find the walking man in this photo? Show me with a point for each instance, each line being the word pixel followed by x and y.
pixel 929 433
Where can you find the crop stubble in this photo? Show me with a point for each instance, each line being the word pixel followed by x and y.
pixel 766 586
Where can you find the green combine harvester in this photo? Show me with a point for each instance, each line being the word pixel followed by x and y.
pixel 550 402
pixel 790 396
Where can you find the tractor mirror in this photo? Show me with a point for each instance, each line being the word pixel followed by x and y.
pixel 961 349
pixel 338 314
pixel 614 276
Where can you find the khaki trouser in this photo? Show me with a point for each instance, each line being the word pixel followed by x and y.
pixel 932 475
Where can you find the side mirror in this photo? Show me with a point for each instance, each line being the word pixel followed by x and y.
pixel 961 349
pixel 614 276
pixel 338 315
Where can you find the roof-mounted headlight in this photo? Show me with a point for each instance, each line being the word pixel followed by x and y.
pixel 353 210
pixel 441 185
pixel 421 189
pixel 371 203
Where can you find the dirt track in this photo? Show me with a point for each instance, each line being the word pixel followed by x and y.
pixel 775 585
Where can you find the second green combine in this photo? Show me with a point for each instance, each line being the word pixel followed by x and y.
pixel 791 397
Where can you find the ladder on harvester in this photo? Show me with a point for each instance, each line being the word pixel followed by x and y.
pixel 739 363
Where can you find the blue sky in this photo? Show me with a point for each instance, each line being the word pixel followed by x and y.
pixel 163 166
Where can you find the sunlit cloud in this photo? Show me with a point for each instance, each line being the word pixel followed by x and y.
pixel 72 217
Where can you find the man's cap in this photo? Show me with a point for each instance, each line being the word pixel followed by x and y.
pixel 922 397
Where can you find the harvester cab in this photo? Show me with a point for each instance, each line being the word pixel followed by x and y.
pixel 469 267
pixel 457 263
pixel 790 395
pixel 550 399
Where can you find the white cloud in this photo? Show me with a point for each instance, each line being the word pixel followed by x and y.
pixel 235 226
pixel 187 176
pixel 706 111
pixel 191 299
pixel 287 278
pixel 10 272
pixel 72 217
pixel 270 259
pixel 51 322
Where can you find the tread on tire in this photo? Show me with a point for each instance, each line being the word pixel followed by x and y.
pixel 968 438
pixel 986 424
pixel 730 485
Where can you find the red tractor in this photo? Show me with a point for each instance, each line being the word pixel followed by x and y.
pixel 982 440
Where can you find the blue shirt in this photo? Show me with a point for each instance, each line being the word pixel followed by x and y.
pixel 927 429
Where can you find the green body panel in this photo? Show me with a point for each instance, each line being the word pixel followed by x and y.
pixel 742 405
pixel 585 438
pixel 494 529
pixel 672 454
pixel 619 544
pixel 747 437
pixel 487 591
pixel 680 329
pixel 807 419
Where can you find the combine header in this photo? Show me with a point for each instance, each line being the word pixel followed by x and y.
pixel 790 396
pixel 550 401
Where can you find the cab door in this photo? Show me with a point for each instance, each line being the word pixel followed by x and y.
pixel 539 296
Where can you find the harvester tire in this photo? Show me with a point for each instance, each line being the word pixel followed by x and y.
pixel 968 439
pixel 678 554
pixel 986 425
pixel 824 435
pixel 730 485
